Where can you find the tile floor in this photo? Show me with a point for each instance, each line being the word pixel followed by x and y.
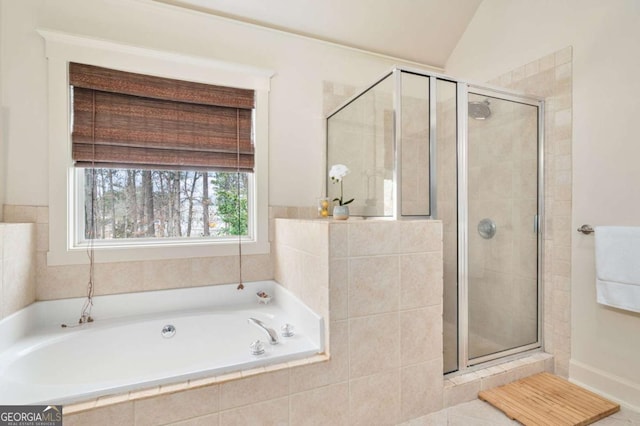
pixel 479 413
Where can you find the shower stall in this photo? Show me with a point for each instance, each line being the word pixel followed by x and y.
pixel 424 145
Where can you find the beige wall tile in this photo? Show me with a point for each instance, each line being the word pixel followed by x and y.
pixel 120 277
pixel 454 395
pixel 18 267
pixel 338 289
pixel 314 286
pixel 374 285
pixel 529 369
pixel 256 268
pixel 288 267
pixel 326 373
pixel 173 407
pixel 308 236
pixel 243 392
pixel 63 281
pixel 421 335
pixel 368 238
pixel 327 405
pixel 375 400
pixel 22 214
pixel 421 389
pixel 338 239
pixel 209 420
pixel 171 273
pixel 119 414
pixel 268 413
pixel 42 214
pixel 419 236
pixel 18 285
pixel 19 241
pixel 374 344
pixel 421 278
pixel 42 237
pixel 215 270
pixel 7 212
pixel 497 379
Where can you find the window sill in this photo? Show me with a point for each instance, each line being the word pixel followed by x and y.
pixel 178 250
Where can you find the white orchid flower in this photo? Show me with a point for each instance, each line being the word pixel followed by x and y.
pixel 338 171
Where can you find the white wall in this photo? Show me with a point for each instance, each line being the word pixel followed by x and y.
pixel 296 110
pixel 506 34
pixel 2 137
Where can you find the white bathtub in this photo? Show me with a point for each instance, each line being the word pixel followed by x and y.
pixel 123 349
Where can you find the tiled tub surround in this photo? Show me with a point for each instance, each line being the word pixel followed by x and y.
pixel 382 282
pixel 58 282
pixel 399 380
pixel 42 362
pixel 17 266
pixel 385 305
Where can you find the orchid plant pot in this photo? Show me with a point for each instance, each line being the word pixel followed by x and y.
pixel 341 212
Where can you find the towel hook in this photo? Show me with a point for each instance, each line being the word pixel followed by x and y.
pixel 586 229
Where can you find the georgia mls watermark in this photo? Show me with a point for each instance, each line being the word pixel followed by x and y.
pixel 30 415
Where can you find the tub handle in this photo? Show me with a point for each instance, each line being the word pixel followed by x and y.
pixel 287 330
pixel 256 348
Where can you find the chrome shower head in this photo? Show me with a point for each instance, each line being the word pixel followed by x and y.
pixel 479 110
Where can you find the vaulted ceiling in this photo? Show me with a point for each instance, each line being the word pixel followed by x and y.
pixel 422 31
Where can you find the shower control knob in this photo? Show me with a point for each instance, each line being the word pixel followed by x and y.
pixel 487 228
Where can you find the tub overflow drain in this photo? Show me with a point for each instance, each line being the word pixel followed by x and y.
pixel 168 331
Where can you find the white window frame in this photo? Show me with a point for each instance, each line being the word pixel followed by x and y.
pixel 62 48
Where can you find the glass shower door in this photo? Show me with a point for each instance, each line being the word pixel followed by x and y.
pixel 502 226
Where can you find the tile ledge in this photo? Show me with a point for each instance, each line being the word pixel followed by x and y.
pixel 155 391
pixel 503 367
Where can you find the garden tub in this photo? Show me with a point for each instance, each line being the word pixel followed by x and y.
pixel 140 340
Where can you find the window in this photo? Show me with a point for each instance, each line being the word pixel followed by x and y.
pixel 66 226
pixel 136 204
pixel 159 160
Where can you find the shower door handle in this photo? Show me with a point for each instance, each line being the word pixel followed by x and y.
pixel 536 224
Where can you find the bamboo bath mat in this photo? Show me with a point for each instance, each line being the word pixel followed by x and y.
pixel 545 399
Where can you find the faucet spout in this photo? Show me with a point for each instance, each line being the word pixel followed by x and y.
pixel 273 336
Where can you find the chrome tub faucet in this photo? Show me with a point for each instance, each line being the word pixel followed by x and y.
pixel 273 336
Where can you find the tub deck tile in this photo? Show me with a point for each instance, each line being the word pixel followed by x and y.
pixel 112 399
pixel 144 393
pixel 174 387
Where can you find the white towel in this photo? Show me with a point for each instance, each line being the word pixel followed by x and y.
pixel 618 266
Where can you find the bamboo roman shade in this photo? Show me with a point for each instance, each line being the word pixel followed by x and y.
pixel 127 120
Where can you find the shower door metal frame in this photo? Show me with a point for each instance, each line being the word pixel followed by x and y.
pixel 463 89
pixel 464 363
pixel 397 105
